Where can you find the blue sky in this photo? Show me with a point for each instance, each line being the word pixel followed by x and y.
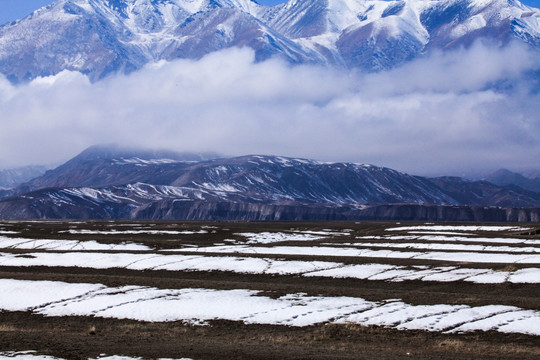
pixel 16 9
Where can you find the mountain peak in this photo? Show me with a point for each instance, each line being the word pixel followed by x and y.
pixel 101 37
pixel 118 152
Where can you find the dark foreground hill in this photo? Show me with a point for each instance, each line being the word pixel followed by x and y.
pixel 112 183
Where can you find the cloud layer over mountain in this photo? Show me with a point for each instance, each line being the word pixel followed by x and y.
pixel 467 109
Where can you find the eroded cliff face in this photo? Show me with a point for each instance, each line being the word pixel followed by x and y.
pixel 201 210
pixel 17 208
pixel 449 213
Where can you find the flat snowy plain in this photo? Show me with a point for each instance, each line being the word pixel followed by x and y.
pixel 444 280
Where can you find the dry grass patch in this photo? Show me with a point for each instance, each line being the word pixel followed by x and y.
pixel 344 331
pixel 466 300
pixel 471 346
pixel 507 268
pixel 6 327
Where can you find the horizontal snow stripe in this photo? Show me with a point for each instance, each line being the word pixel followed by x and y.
pixel 458 228
pixel 66 245
pixel 133 232
pixel 446 238
pixel 52 298
pixel 271 237
pixel 472 257
pixel 444 247
pixel 434 242
pixel 251 265
pixel 165 262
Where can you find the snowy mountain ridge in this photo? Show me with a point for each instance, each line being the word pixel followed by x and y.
pixel 100 37
pixel 104 183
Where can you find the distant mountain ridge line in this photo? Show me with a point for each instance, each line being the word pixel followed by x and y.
pixel 97 184
pixel 100 37
pixel 505 177
pixel 15 176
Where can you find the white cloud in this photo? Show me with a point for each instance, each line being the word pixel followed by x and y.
pixel 437 114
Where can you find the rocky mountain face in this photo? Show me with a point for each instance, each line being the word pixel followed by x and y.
pixel 100 37
pixel 108 183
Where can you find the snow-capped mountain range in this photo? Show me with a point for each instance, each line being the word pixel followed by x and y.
pixel 100 37
pixel 109 183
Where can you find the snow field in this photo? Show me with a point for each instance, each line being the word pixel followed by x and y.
pixel 199 305
pixel 453 244
pixel 261 265
pixel 435 248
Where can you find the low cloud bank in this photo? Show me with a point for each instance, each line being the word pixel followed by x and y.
pixel 452 112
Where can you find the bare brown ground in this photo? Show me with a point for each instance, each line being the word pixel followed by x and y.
pixel 68 337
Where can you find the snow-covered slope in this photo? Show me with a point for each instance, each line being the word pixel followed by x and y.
pixel 99 37
pixel 377 35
